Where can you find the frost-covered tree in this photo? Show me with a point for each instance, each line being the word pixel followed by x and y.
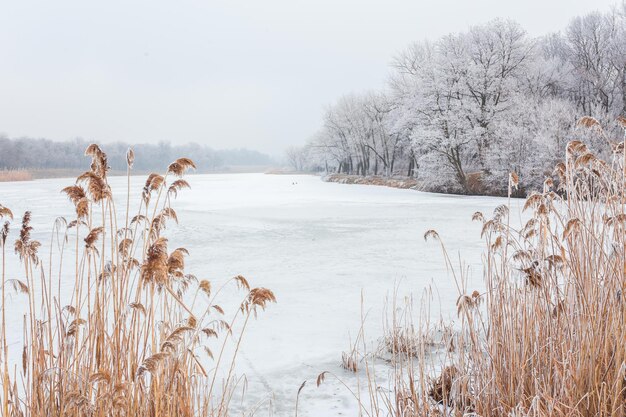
pixel 462 111
pixel 296 157
pixel 358 135
pixel 460 88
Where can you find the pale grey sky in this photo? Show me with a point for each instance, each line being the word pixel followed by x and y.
pixel 228 73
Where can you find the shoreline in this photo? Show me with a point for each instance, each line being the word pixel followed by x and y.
pixel 404 183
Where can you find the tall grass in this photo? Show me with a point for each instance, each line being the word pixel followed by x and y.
pixel 138 336
pixel 547 337
pixel 552 337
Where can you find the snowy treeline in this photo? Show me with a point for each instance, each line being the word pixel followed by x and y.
pixel 28 153
pixel 462 111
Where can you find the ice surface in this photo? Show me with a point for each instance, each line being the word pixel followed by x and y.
pixel 316 245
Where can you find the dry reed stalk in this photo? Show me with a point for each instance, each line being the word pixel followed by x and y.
pixel 127 343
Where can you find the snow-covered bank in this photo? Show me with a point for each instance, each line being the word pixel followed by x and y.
pixel 393 182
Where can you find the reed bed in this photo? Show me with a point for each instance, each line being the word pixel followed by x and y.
pixel 138 336
pixel 547 336
pixel 552 337
pixel 8 175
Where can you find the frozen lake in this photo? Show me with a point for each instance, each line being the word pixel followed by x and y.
pixel 316 245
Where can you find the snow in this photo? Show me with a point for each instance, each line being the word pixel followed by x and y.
pixel 317 245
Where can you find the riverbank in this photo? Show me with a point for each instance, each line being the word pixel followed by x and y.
pixel 393 182
pixel 476 186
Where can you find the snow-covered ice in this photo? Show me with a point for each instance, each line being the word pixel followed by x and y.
pixel 317 245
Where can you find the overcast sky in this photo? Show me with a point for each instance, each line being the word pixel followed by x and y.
pixel 229 73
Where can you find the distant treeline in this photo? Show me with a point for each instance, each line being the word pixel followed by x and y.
pixel 29 153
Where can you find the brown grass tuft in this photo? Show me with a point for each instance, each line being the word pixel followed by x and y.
pixel 441 388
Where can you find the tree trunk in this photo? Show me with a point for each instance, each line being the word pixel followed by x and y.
pixel 454 157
